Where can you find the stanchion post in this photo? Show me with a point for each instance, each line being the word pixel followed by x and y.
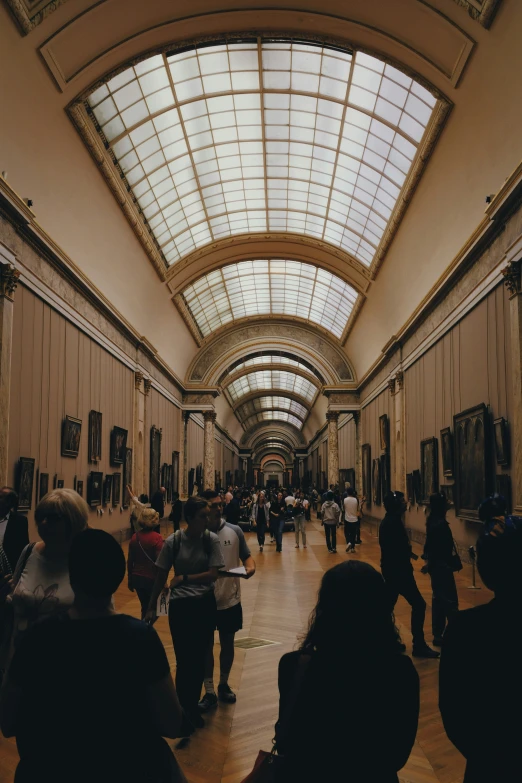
pixel 473 557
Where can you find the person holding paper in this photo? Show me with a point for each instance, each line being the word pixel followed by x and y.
pixel 228 598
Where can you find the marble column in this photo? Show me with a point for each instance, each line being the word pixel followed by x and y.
pixel 357 417
pixel 183 473
pixel 400 433
pixel 332 417
pixel 147 385
pixel 138 440
pixel 8 282
pixel 209 460
pixel 512 275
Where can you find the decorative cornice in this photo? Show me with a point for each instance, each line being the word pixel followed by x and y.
pixel 8 281
pixel 138 379
pixel 482 11
pixel 512 277
pixel 27 18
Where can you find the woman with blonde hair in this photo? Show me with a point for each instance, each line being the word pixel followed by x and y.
pixel 144 548
pixel 41 586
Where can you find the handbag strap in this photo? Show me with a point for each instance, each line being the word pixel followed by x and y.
pixel 141 547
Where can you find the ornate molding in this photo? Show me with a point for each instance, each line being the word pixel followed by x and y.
pixel 482 11
pixel 391 385
pixel 399 377
pixel 26 16
pixel 332 416
pixel 138 379
pixel 512 277
pixel 8 281
pixel 210 416
pixel 147 385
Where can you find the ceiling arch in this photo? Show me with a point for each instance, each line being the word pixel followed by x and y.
pixel 269 431
pixel 271 465
pixel 263 380
pixel 271 368
pixel 279 402
pixel 271 416
pixel 270 451
pixel 263 358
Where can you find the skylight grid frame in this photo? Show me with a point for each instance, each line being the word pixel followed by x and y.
pixel 262 380
pixel 343 239
pixel 266 402
pixel 272 415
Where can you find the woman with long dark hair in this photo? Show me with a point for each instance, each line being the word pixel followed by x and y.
pixel 359 728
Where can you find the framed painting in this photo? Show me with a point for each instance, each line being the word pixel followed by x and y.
pixel 95 488
pixel 417 487
pixel 155 459
pixel 385 471
pixel 367 472
pixel 79 487
pixel 429 468
pixel 501 441
pixel 175 471
pixel 116 489
pixel 449 491
pixel 95 436
pixel 127 477
pixel 503 487
pixel 43 485
pixel 107 489
pixel 376 482
pixel 59 481
pixel 472 460
pixel 165 480
pixel 25 482
pixel 446 445
pixel 350 478
pixel 118 445
pixel 191 481
pixel 71 433
pixel 384 432
pixel 410 495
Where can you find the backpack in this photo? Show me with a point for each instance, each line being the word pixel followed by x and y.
pixel 290 512
pixel 207 545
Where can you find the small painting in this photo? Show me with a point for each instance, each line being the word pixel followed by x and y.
pixel 429 468
pixel 155 460
pixel 367 473
pixel 71 433
pixel 409 488
pixel 385 475
pixel 25 483
pixel 118 445
pixel 107 489
pixel 384 432
pixel 79 487
pixel 116 489
pixel 94 488
pixel 59 481
pixel 95 436
pixel 43 488
pixel 376 482
pixel 446 441
pixel 127 477
pixel 501 441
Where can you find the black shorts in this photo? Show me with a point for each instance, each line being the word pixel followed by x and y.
pixel 230 620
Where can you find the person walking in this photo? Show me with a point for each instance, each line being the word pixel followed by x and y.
pixel 176 512
pixel 439 556
pixel 277 519
pixel 330 518
pixel 351 519
pixel 397 570
pixel 227 589
pixel 383 695
pixel 260 518
pixel 195 554
pixel 144 550
pixel 300 507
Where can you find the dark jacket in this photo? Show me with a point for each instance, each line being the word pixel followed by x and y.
pixel 16 537
pixel 395 546
pixel 158 503
pixel 480 683
pixel 438 549
pixel 176 512
pixel 232 511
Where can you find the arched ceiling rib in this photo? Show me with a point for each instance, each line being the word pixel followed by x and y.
pixel 281 359
pixel 266 431
pixel 273 416
pixel 265 136
pixel 271 379
pixel 281 403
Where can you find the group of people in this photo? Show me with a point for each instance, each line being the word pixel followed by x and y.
pixel 88 692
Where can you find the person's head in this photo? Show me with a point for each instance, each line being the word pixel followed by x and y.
pixel 143 498
pixel 332 487
pixel 96 567
pixel 8 501
pixel 197 514
pixel 280 496
pixel 370 631
pixel 261 499
pixel 163 490
pixel 395 503
pixel 499 549
pixel 350 492
pixel 175 497
pixel 228 497
pixel 329 495
pixel 149 519
pixel 438 505
pixel 215 504
pixel 60 516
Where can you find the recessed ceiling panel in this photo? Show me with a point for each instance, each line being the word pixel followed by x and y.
pixel 264 136
pixel 268 403
pixel 275 287
pixel 272 379
pixel 273 416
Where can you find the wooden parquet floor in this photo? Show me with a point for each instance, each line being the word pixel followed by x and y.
pixel 277 603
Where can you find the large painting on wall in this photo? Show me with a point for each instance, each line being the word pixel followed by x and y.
pixel 71 434
pixel 118 445
pixel 429 468
pixel 376 482
pixel 367 473
pixel 384 432
pixel 472 459
pixel 25 482
pixel 94 488
pixel 155 459
pixel 95 436
pixel 446 441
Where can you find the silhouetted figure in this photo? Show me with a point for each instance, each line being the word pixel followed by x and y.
pixel 438 553
pixel 157 502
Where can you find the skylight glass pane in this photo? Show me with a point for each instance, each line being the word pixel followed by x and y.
pixel 272 379
pixel 273 136
pixel 271 287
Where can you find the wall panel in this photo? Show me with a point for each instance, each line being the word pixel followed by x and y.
pixel 347 445
pixel 166 416
pixel 370 434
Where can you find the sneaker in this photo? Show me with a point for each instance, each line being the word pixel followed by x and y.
pixel 304 546
pixel 437 641
pixel 225 693
pixel 425 652
pixel 348 548
pixel 330 550
pixel 208 701
pixel 333 551
pixel 260 548
pixel 297 546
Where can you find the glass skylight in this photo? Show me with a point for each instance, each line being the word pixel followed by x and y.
pixel 273 416
pixel 264 136
pixel 271 359
pixel 267 403
pixel 252 288
pixel 272 379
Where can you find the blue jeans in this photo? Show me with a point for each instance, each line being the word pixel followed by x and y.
pixel 279 534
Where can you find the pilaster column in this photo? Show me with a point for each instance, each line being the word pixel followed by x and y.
pixel 139 439
pixel 512 275
pixel 209 462
pixel 400 433
pixel 147 385
pixel 8 282
pixel 357 417
pixel 183 473
pixel 332 417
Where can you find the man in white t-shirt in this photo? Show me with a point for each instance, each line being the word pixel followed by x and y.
pixel 227 590
pixel 351 518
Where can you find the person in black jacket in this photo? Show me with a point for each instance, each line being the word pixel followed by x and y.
pixel 14 535
pixel 379 689
pixel 397 570
pixel 438 553
pixel 158 501
pixel 176 512
pixel 480 678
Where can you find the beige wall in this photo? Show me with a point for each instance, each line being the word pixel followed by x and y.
pixel 370 434
pixel 56 371
pixel 347 445
pixel 164 415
